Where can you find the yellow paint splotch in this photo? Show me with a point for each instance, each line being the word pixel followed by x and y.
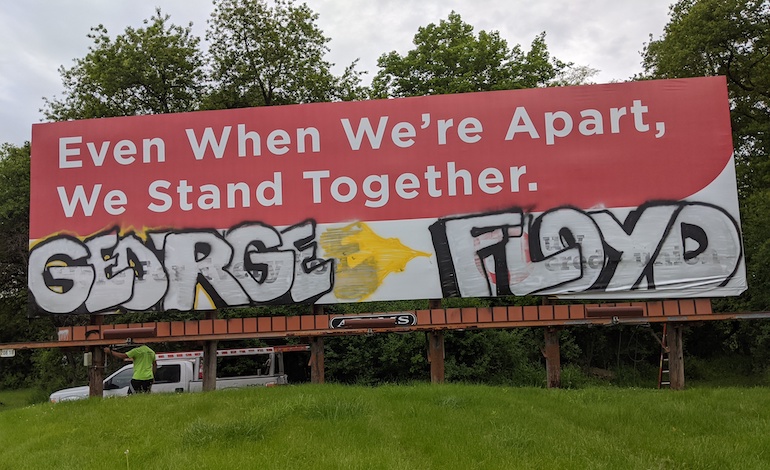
pixel 364 259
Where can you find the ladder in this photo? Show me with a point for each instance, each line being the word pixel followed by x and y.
pixel 664 374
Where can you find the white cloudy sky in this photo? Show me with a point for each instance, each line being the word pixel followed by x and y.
pixel 39 36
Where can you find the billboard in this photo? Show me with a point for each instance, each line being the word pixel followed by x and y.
pixel 610 191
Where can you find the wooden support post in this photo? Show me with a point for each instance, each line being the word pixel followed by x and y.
pixel 436 349
pixel 436 356
pixel 316 363
pixel 317 360
pixel 676 355
pixel 552 355
pixel 210 360
pixel 96 372
pixel 96 369
pixel 209 366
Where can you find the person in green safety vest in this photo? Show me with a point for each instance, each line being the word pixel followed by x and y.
pixel 145 366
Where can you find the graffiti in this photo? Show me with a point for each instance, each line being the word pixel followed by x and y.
pixel 682 248
pixel 660 246
pixel 364 259
pixel 249 264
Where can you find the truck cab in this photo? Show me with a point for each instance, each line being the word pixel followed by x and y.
pixel 171 376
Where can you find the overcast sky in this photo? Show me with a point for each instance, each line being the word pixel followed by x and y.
pixel 39 36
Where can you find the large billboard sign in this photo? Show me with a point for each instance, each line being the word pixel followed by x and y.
pixel 604 191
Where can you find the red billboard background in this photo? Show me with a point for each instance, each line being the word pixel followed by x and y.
pixel 617 165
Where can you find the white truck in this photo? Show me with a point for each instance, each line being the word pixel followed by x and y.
pixel 181 372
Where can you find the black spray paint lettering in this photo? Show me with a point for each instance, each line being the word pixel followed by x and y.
pixel 250 264
pixel 658 246
pixel 122 267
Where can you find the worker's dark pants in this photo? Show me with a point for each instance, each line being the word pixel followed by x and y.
pixel 140 386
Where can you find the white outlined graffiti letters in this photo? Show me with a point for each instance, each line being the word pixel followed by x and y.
pixel 701 240
pixel 126 272
pixel 487 255
pixel 250 264
pixel 199 257
pixel 659 246
pixel 60 277
pixel 312 276
pixel 279 267
pixel 262 269
pixel 657 249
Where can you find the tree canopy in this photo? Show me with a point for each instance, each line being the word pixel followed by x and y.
pixel 154 69
pixel 262 56
pixel 14 220
pixel 14 232
pixel 450 58
pixel 730 38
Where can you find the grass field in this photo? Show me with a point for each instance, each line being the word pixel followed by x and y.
pixel 10 399
pixel 397 427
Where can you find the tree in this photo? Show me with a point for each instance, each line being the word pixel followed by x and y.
pixel 730 38
pixel 263 56
pixel 154 69
pixel 14 220
pixel 450 58
pixel 14 231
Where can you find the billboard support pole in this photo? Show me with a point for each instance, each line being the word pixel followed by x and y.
pixel 436 351
pixel 210 359
pixel 675 343
pixel 96 368
pixel 317 360
pixel 552 354
pixel 316 352
pixel 436 356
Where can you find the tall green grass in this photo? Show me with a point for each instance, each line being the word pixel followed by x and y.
pixel 10 399
pixel 397 427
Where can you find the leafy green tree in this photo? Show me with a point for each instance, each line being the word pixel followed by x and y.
pixel 377 359
pixel 19 371
pixel 263 56
pixel 730 38
pixel 154 69
pixel 451 58
pixel 500 357
pixel 756 234
pixel 14 220
pixel 14 228
pixel 752 338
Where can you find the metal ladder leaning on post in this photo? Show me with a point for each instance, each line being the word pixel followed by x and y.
pixel 664 376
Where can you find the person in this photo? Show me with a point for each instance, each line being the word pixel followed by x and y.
pixel 145 366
